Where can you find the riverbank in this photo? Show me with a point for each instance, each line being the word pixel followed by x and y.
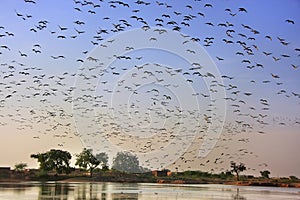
pixel 135 191
pixel 186 181
pixel 266 184
pixel 160 181
pixel 176 178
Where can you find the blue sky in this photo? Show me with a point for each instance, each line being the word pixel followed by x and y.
pixel 277 82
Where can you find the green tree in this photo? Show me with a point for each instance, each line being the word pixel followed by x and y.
pixel 293 178
pixel 54 159
pixel 127 162
pixel 20 167
pixel 103 158
pixel 87 160
pixel 237 168
pixel 265 173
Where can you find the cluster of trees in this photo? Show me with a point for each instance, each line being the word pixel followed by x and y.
pixel 54 159
pixel 237 168
pixel 59 161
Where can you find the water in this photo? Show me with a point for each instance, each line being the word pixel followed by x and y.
pixel 139 191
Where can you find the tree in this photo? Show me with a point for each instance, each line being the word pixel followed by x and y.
pixel 293 178
pixel 20 167
pixel 103 158
pixel 265 173
pixel 127 162
pixel 237 168
pixel 87 160
pixel 54 159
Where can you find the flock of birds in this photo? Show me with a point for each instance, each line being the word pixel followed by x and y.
pixel 133 103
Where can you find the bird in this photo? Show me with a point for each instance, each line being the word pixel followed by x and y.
pixel 57 57
pixel 219 58
pixel 268 37
pixel 294 66
pixel 22 54
pixel 61 37
pixel 290 21
pixel 30 1
pixel 79 32
pixel 208 5
pixel 242 10
pixel 275 76
pixel 62 28
pixel 5 47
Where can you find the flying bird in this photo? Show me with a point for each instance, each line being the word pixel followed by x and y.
pixel 290 21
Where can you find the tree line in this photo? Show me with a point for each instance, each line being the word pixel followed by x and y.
pixel 59 161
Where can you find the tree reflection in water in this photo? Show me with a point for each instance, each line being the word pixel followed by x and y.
pixel 237 196
pixel 54 191
pixel 18 189
pixel 129 191
pixel 86 191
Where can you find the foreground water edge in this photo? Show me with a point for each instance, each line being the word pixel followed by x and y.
pixel 139 191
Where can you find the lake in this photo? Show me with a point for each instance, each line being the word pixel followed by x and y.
pixel 139 191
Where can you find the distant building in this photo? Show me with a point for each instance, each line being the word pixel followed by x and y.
pixel 5 172
pixel 161 173
pixel 4 169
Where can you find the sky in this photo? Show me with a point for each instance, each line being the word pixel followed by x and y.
pixel 204 82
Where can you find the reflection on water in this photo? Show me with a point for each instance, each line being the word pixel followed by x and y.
pixel 237 196
pixel 133 191
pixel 54 191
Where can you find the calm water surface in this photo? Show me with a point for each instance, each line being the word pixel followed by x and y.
pixel 139 191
